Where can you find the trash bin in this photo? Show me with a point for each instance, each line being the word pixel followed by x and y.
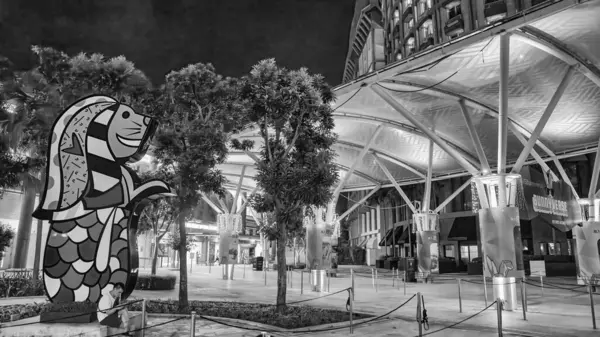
pixel 318 280
pixel 258 263
pixel 505 288
pixel 410 267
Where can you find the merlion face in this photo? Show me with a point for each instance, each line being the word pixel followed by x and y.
pixel 129 132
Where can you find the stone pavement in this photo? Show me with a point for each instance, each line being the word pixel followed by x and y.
pixel 558 312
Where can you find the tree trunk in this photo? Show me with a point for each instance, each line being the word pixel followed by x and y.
pixel 154 256
pixel 38 250
pixel 281 268
pixel 183 291
pixel 25 220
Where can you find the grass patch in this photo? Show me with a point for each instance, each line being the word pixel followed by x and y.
pixel 296 316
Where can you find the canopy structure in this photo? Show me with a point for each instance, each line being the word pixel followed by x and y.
pixel 450 95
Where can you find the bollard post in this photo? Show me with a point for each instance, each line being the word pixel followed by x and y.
pixel 302 282
pixel 209 265
pixel 393 277
pixel 542 283
pixel 373 277
pixel 329 281
pixel 592 306
pixel 244 270
pixel 143 327
pixel 193 325
pixel 419 317
pixel 351 295
pixel 291 278
pixel 459 297
pixel 376 280
pixel 485 294
pixel 352 279
pixel 499 309
pixel 404 282
pixel 265 273
pixel 523 299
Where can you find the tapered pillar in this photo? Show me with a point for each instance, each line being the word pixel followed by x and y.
pixel 229 227
pixel 587 244
pixel 315 228
pixel 426 226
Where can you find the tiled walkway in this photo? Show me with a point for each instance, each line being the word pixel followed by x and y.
pixel 557 312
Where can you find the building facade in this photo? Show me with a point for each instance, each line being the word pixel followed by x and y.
pixel 407 27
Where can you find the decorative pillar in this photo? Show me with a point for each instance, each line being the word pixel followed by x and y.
pixel 427 229
pixel 587 243
pixel 315 228
pixel 229 226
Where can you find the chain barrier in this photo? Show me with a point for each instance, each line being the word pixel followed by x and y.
pixel 146 328
pixel 459 322
pixel 73 316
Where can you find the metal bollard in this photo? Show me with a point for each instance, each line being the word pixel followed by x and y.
pixel 376 280
pixel 351 295
pixel 143 327
pixel 542 283
pixel 291 278
pixel 592 306
pixel 393 277
pixel 485 295
pixel 329 281
pixel 419 315
pixel 193 325
pixel 209 265
pixel 459 297
pixel 352 279
pixel 302 282
pixel 265 272
pixel 523 299
pixel 404 282
pixel 244 270
pixel 499 309
pixel 373 277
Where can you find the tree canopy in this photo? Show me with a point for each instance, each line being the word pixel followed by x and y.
pixel 295 161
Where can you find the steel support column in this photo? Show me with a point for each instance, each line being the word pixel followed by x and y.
pixel 485 166
pixel 246 200
pixel 358 159
pixel 427 194
pixel 503 117
pixel 237 191
pixel 595 172
pixel 395 183
pixel 358 203
pixel 533 153
pixel 381 92
pixel 210 203
pixel 452 196
pixel 560 90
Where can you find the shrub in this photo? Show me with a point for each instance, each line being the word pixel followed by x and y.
pixel 20 286
pixel 74 307
pixel 21 310
pixel 156 282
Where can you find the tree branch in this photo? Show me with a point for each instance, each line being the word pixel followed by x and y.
pixel 200 111
pixel 266 137
pixel 296 135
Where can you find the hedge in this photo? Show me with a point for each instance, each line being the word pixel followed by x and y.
pixel 156 282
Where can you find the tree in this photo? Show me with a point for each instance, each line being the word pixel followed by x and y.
pixel 199 110
pixel 6 236
pixel 295 164
pixel 157 217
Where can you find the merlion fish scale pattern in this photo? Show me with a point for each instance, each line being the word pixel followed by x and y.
pixel 93 201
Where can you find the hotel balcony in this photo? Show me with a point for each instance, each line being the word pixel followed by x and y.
pixel 495 10
pixel 454 26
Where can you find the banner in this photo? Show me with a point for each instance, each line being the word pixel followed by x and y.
pixel 501 242
pixel 588 251
pixel 556 207
pixel 427 251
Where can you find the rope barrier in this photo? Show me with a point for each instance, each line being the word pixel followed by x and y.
pixel 316 298
pixel 459 322
pixel 74 316
pixel 147 327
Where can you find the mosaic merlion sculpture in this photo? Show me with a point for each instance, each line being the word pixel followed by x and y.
pixel 92 200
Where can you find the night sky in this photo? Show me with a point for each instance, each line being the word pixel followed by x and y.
pixel 161 35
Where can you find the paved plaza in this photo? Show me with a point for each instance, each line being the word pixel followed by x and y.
pixel 544 317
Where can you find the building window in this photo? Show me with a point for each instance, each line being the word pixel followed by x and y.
pixel 424 6
pixel 449 251
pixel 407 3
pixel 398 56
pixel 468 253
pixel 426 30
pixel 454 11
pixel 410 45
pixel 543 248
pixel 396 16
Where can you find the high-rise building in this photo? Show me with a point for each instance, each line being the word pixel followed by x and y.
pixel 412 26
pixel 366 51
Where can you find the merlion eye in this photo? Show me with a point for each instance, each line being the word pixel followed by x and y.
pixel 126 114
